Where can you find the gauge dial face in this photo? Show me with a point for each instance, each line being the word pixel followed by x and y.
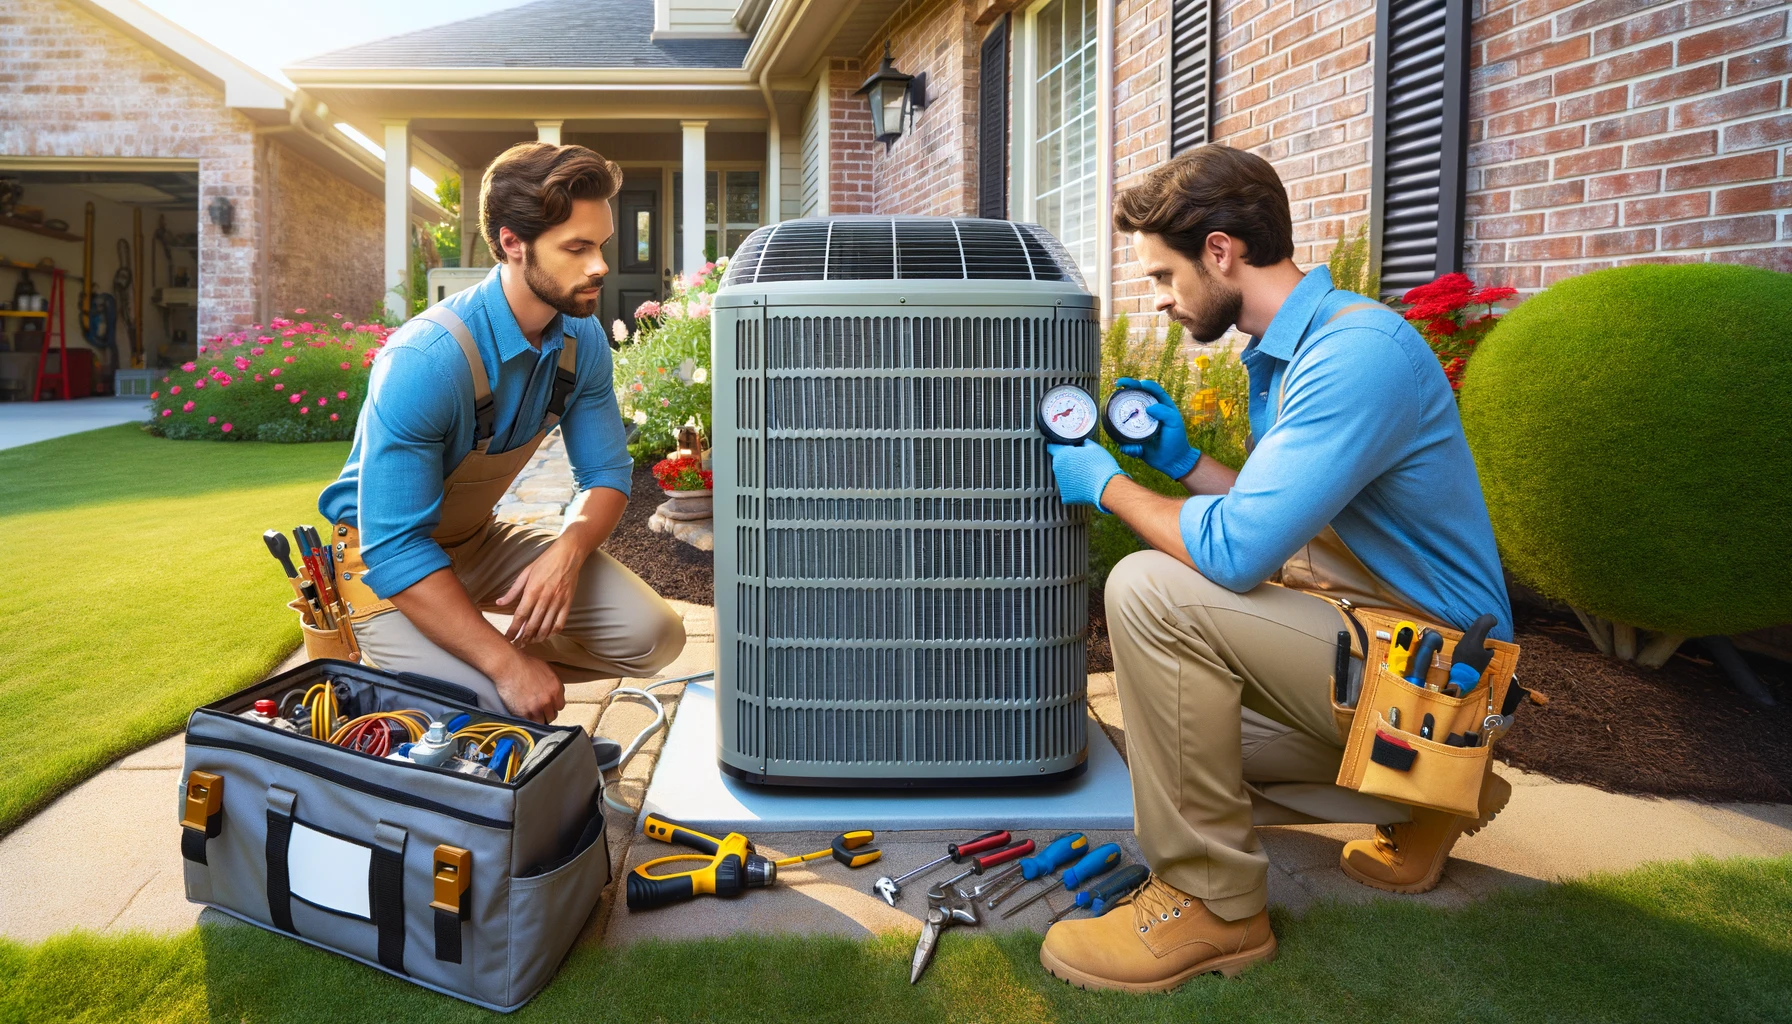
pixel 1067 414
pixel 1127 420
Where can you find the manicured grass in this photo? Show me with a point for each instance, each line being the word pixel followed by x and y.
pixel 1706 940
pixel 133 587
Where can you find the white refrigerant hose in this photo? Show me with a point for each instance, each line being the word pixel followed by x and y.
pixel 634 745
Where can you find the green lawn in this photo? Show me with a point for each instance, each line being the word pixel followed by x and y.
pixel 1707 940
pixel 133 587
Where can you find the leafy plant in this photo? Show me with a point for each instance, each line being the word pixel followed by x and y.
pixel 662 372
pixel 1352 266
pixel 296 381
pixel 682 473
pixel 447 234
pixel 1629 430
pixel 1211 391
pixel 1441 310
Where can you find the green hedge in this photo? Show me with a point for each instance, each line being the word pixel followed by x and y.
pixel 1633 433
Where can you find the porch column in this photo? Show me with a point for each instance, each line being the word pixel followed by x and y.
pixel 548 132
pixel 472 247
pixel 398 218
pixel 692 244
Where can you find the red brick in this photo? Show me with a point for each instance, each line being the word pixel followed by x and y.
pixel 1672 148
pixel 1563 271
pixel 1563 247
pixel 1729 106
pixel 1660 208
pixel 1510 227
pixel 1769 131
pixel 1730 231
pixel 1589 161
pixel 1617 243
pixel 1565 52
pixel 1715 172
pixel 1630 183
pixel 1778 258
pixel 1731 38
pixel 1755 198
pixel 1681 83
pixel 1768 63
pixel 1508 97
pixel 1482 204
pixel 1584 218
pixel 1657 23
pixel 1520 121
pixel 1521 40
pixel 1649 122
pixel 1600 11
pixel 1593 104
pixel 1522 277
pixel 1559 194
pixel 1507 175
pixel 1612 69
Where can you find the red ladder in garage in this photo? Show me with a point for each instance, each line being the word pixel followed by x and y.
pixel 53 326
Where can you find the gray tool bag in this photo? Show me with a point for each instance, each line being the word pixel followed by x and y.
pixel 462 883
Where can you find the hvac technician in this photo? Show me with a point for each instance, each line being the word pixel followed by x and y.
pixel 458 401
pixel 1359 485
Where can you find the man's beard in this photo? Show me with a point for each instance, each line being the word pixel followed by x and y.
pixel 548 290
pixel 1217 314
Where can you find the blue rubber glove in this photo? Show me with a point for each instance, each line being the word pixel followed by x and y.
pixel 1083 472
pixel 1168 450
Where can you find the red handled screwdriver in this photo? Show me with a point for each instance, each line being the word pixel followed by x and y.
pixel 978 864
pixel 889 888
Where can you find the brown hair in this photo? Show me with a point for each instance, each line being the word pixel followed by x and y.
pixel 1212 188
pixel 530 188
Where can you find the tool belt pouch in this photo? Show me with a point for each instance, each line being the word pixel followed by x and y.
pixel 319 643
pixel 1385 756
pixel 466 885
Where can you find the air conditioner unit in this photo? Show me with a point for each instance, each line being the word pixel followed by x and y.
pixel 901 597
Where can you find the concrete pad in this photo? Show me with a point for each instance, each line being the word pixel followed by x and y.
pixel 824 897
pixel 27 422
pixel 104 857
pixel 691 788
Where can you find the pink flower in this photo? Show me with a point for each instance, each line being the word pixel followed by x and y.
pixel 225 380
pixel 289 360
pixel 275 372
pixel 337 315
pixel 225 428
pixel 342 394
pixel 294 399
pixel 279 387
pixel 202 350
pixel 647 309
pixel 348 325
pixel 288 343
pixel 236 343
pixel 188 367
pixel 199 383
pixel 258 378
pixel 257 350
pixel 299 311
pixel 175 390
pixel 188 407
pixel 241 362
pixel 303 409
pixel 167 412
pixel 323 401
pixel 665 402
pixel 332 417
pixel 211 419
pixel 345 366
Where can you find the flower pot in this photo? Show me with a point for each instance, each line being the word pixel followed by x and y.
pixel 689 505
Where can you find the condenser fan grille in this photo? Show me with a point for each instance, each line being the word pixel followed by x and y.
pixel 900 249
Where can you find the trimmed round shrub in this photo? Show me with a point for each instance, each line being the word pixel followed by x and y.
pixel 1633 433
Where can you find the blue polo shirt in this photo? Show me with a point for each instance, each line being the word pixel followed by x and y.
pixel 1367 438
pixel 417 425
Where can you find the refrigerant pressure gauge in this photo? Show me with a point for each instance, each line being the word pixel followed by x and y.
pixel 1126 417
pixel 1067 415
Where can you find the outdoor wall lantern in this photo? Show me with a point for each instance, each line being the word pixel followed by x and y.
pixel 222 211
pixel 894 98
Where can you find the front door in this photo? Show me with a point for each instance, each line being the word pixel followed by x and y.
pixel 635 265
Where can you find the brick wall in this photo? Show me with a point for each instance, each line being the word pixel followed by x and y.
pixel 1619 131
pixel 851 150
pixel 71 86
pixel 325 240
pixel 1141 129
pixel 931 170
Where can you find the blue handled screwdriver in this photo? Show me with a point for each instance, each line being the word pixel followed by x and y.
pixel 1099 860
pixel 1062 851
pixel 1101 898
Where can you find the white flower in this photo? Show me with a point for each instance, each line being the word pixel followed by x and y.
pixel 699 376
pixel 686 370
pixel 619 331
pixel 722 264
pixel 639 417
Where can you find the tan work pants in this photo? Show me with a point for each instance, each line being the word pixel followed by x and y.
pixel 617 625
pixel 1228 724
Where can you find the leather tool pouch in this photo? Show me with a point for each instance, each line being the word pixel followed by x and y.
pixel 1385 756
pixel 319 643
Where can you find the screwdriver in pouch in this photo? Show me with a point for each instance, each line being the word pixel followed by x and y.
pixel 1063 850
pixel 980 864
pixel 1101 898
pixel 1099 860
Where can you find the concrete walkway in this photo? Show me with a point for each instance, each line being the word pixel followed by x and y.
pixel 26 422
pixel 106 856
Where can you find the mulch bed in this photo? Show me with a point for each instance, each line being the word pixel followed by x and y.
pixel 676 570
pixel 1681 730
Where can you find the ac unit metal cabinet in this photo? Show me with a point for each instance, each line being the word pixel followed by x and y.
pixel 901 597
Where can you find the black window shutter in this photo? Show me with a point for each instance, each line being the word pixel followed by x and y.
pixel 1421 120
pixel 992 124
pixel 1191 63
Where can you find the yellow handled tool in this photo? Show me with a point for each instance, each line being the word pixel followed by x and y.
pixel 852 849
pixel 1400 648
pixel 730 867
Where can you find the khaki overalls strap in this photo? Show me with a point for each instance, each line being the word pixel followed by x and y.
pixel 483 407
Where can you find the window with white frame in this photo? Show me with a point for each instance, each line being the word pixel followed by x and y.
pixel 1055 100
pixel 740 195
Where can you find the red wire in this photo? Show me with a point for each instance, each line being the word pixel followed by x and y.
pixel 373 738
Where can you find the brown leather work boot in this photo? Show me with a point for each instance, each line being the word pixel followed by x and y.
pixel 1156 941
pixel 1409 857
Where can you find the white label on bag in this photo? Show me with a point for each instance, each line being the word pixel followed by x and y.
pixel 329 872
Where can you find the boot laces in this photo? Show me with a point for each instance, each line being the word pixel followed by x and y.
pixel 1157 902
pixel 1384 839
